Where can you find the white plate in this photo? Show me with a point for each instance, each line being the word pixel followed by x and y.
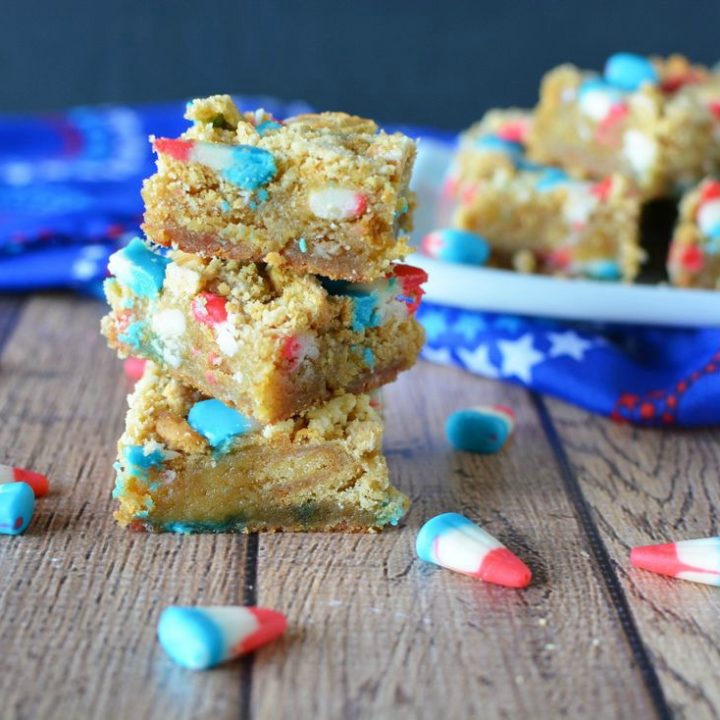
pixel 504 291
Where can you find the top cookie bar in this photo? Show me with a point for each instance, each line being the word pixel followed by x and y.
pixel 654 120
pixel 325 194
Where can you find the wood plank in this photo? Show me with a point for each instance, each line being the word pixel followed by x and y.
pixel 646 486
pixel 80 597
pixel 377 633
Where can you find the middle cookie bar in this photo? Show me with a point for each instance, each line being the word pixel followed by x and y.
pixel 262 339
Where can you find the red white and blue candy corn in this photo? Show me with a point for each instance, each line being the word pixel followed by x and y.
pixel 333 203
pixel 693 560
pixel 481 429
pixel 375 302
pixel 38 482
pixel 247 166
pixel 201 637
pixel 457 543
pixel 17 504
pixel 456 246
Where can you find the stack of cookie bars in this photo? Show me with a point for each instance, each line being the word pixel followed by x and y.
pixel 277 311
pixel 560 189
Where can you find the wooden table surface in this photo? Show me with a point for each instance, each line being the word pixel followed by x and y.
pixel 374 632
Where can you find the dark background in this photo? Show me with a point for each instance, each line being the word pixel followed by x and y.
pixel 432 63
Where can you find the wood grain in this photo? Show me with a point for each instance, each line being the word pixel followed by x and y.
pixel 81 597
pixel 652 486
pixel 374 631
pixel 378 633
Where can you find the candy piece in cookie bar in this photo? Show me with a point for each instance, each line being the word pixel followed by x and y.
pixel 694 257
pixel 654 120
pixel 262 339
pixel 538 218
pixel 183 471
pixel 325 194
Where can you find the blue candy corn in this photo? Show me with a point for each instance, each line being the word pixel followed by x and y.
pixel 456 246
pixel 217 422
pixel 483 429
pixel 252 167
pixel 17 504
pixel 628 71
pixel 139 268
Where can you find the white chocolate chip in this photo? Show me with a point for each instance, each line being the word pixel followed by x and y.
pixel 181 280
pixel 169 324
pixel 169 327
pixel 640 150
pixel 225 337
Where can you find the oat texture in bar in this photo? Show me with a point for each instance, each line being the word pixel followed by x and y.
pixel 260 338
pixel 654 120
pixel 539 218
pixel 325 193
pixel 188 463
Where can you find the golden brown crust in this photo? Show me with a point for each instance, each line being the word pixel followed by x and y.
pixel 345 265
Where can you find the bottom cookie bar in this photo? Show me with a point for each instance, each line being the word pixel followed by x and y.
pixel 191 464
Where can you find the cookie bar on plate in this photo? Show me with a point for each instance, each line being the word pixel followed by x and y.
pixel 654 120
pixel 188 463
pixel 260 338
pixel 694 257
pixel 538 218
pixel 325 193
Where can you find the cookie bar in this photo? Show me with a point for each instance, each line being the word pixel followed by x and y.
pixel 694 257
pixel 496 142
pixel 190 464
pixel 656 121
pixel 325 194
pixel 538 218
pixel 260 338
